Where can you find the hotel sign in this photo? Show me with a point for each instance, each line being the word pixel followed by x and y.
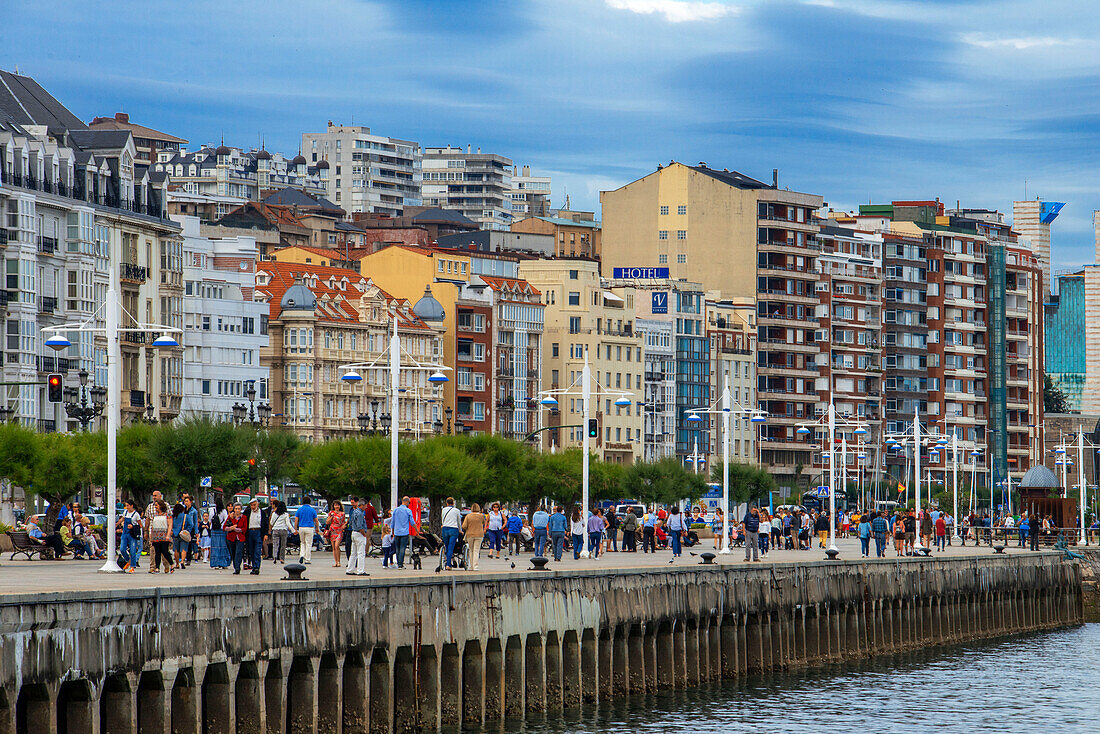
pixel 660 302
pixel 641 273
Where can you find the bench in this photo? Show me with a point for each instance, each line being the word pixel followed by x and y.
pixel 24 544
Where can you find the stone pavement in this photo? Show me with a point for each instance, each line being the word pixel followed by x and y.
pixel 21 576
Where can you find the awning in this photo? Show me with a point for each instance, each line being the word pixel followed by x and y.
pixel 609 296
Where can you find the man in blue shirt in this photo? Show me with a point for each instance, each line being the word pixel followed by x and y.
pixel 539 522
pixel 307 526
pixel 401 522
pixel 557 525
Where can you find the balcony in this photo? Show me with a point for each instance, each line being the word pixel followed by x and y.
pixel 51 364
pixel 5 298
pixel 133 273
pixel 47 304
pixel 47 245
pixel 131 338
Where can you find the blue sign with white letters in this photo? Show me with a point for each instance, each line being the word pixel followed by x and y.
pixel 660 302
pixel 641 273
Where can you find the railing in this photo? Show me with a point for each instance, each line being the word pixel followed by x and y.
pixel 51 364
pixel 47 304
pixel 47 244
pixel 131 337
pixel 3 236
pixel 137 398
pixel 129 271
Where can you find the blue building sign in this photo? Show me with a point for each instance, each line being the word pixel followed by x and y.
pixel 660 302
pixel 641 273
pixel 1048 211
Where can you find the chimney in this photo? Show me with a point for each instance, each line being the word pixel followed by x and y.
pixel 479 150
pixel 467 148
pixel 122 117
pixel 775 178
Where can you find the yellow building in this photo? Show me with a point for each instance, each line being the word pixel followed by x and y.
pixel 407 272
pixel 308 255
pixel 322 318
pixel 702 224
pixel 582 316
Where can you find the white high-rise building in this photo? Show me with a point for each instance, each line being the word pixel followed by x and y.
pixel 529 195
pixel 366 172
pixel 477 184
pixel 1031 221
pixel 225 329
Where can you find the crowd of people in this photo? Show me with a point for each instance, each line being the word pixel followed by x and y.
pixel 241 536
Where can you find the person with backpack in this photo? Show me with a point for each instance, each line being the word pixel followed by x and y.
pixel 864 532
pixel 880 528
pixel 515 534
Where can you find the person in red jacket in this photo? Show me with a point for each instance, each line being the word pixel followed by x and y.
pixel 235 527
pixel 941 532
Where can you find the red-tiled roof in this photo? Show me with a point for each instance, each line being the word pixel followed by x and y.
pixel 501 284
pixel 281 276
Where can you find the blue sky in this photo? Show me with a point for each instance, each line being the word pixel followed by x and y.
pixel 859 100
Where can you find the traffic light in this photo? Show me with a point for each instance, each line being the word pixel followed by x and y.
pixel 54 388
pixel 593 428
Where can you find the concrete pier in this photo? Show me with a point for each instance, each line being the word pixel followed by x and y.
pixel 383 656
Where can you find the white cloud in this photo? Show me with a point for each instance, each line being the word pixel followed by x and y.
pixel 676 11
pixel 1018 43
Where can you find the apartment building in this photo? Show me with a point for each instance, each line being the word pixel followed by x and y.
pixel 529 195
pixel 731 332
pixel 705 225
pixel 585 320
pixel 849 315
pixel 474 401
pixel 212 181
pixel 963 332
pixel 571 237
pixel 225 327
pixel 322 318
pixel 477 184
pixel 678 386
pixel 77 205
pixel 366 172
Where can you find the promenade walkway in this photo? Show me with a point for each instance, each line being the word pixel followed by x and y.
pixel 21 576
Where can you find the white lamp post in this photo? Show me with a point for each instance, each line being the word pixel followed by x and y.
pixel 549 399
pixel 56 339
pixel 830 425
pixel 727 406
pixel 351 374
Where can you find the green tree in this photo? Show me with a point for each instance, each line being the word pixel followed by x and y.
pixel 437 468
pixel 664 481
pixel 747 482
pixel 139 472
pixel 279 453
pixel 199 447
pixel 1054 398
pixel 351 466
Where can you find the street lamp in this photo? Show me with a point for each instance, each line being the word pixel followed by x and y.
pixel 428 310
pixel 549 398
pixel 112 311
pixel 256 414
pixel 6 413
pixel 830 423
pixel 448 411
pixel 84 403
pixel 149 417
pixel 1080 474
pixel 725 407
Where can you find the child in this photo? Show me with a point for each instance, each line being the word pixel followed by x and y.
pixel 204 536
pixel 387 540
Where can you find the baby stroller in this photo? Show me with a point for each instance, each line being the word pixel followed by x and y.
pixel 460 557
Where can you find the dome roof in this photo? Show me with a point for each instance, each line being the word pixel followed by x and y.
pixel 1039 477
pixel 322 164
pixel 298 298
pixel 429 309
pixel 263 155
pixel 223 150
pixel 299 160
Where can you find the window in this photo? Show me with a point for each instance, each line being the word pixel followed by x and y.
pixel 682 209
pixel 554 349
pixel 206 387
pixel 574 324
pixel 681 258
pixel 681 234
pixel 662 259
pixel 574 298
pixel 573 274
pixel 664 210
pixel 663 234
